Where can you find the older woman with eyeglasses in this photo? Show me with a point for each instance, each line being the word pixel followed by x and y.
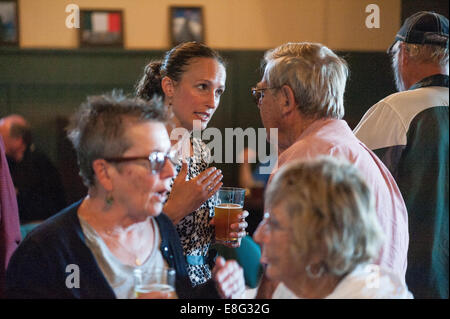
pixel 91 249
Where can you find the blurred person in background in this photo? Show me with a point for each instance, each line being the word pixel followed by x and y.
pixel 39 190
pixel 9 218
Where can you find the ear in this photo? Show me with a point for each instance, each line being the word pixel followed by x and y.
pixel 168 86
pixel 21 148
pixel 100 167
pixel 288 103
pixel 403 55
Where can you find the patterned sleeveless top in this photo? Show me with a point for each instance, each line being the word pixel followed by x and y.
pixel 195 232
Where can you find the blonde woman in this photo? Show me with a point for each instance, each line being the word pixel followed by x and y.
pixel 321 234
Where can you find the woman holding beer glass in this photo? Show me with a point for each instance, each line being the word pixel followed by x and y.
pixel 191 79
pixel 92 248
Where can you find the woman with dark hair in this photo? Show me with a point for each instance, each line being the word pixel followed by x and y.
pixel 191 80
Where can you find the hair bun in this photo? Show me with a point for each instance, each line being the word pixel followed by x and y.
pixel 150 83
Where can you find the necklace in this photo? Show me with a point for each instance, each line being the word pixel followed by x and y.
pixel 112 237
pixel 117 243
pixel 114 240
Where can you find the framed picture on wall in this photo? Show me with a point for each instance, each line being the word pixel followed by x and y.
pixel 186 24
pixel 101 28
pixel 9 22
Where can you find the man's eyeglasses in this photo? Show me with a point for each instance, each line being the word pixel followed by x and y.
pixel 258 94
pixel 157 160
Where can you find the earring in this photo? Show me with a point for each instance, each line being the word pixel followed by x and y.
pixel 170 108
pixel 109 200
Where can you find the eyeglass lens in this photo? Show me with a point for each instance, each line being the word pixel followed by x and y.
pixel 257 95
pixel 158 160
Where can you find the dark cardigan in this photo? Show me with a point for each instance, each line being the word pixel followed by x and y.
pixel 43 262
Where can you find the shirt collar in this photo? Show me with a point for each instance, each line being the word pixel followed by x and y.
pixel 434 80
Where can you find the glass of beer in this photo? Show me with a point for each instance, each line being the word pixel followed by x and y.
pixel 229 202
pixel 156 283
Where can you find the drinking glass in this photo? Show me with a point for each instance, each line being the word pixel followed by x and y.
pixel 229 203
pixel 155 283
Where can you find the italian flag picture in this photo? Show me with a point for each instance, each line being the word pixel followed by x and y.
pixel 101 28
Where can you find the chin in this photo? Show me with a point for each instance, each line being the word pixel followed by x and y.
pixel 272 272
pixel 154 209
pixel 196 124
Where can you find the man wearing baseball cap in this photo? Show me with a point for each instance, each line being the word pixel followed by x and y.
pixel 409 131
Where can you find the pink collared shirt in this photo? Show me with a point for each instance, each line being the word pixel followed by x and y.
pixel 335 138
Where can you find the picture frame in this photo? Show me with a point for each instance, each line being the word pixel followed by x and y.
pixel 101 28
pixel 186 24
pixel 9 23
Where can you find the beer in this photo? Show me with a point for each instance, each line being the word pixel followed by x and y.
pixel 157 283
pixel 226 214
pixel 152 291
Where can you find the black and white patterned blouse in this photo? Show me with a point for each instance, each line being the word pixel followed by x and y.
pixel 195 232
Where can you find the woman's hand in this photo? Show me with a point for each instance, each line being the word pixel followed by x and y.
pixel 187 196
pixel 229 278
pixel 238 228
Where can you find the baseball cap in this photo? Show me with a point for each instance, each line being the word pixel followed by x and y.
pixel 424 27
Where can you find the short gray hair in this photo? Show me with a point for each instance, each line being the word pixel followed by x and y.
pixel 331 210
pixel 427 53
pixel 97 130
pixel 315 74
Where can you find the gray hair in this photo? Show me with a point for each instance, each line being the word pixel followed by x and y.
pixel 421 53
pixel 315 74
pixel 399 83
pixel 97 130
pixel 331 210
pixel 427 53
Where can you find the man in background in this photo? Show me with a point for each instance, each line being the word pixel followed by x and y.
pixel 409 131
pixel 37 182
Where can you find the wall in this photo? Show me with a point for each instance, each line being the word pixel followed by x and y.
pixel 46 86
pixel 229 24
pixel 49 77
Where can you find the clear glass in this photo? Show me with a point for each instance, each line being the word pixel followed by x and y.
pixel 229 203
pixel 155 283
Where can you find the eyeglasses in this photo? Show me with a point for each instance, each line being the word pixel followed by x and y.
pixel 258 94
pixel 157 160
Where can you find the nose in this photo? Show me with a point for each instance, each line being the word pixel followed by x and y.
pixel 260 234
pixel 259 103
pixel 213 100
pixel 168 170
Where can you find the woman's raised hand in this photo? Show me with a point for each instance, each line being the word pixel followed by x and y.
pixel 187 196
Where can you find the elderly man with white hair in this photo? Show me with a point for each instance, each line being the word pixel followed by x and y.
pixel 408 130
pixel 301 93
